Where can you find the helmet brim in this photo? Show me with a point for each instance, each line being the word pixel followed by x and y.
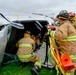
pixel 57 16
pixel 62 17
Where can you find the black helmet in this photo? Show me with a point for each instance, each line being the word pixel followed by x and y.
pixel 63 13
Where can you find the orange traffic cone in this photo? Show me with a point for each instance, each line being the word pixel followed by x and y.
pixel 67 64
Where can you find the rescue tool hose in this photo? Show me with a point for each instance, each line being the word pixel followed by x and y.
pixel 15 58
pixel 16 25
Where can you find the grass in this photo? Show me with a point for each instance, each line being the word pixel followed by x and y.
pixel 14 69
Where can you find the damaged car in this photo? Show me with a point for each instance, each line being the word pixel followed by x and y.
pixel 12 28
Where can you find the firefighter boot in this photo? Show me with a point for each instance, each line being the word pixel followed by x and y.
pixel 23 64
pixel 35 70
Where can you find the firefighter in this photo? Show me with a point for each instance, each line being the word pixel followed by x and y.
pixel 25 52
pixel 37 41
pixel 65 35
pixel 72 19
pixel 71 14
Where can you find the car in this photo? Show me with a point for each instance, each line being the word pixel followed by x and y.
pixel 12 27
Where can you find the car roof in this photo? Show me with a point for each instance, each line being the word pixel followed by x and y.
pixel 24 17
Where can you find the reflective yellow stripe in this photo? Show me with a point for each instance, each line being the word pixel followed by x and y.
pixel 24 60
pixel 25 45
pixel 68 73
pixel 52 34
pixel 25 56
pixel 48 32
pixel 38 63
pixel 73 57
pixel 70 38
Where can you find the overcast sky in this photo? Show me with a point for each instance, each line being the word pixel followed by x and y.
pixel 37 6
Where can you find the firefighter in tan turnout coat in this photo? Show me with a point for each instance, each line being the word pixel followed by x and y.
pixel 25 52
pixel 66 38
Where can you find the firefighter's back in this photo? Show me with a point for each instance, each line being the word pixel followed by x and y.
pixel 25 49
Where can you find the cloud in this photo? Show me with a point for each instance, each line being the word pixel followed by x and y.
pixel 39 6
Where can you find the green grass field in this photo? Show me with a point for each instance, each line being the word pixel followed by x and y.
pixel 14 69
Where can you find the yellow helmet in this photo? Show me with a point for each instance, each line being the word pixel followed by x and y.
pixel 27 34
pixel 74 18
